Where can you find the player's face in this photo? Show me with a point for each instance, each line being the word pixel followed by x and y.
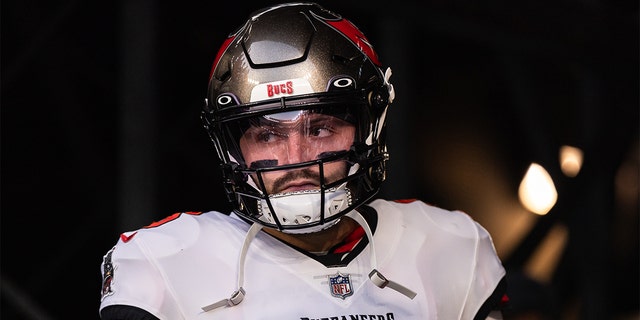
pixel 294 137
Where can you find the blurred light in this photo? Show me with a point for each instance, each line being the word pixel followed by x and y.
pixel 543 263
pixel 537 192
pixel 570 160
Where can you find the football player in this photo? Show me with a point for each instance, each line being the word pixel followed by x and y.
pixel 296 108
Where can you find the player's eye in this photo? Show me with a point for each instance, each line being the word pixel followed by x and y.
pixel 266 135
pixel 321 131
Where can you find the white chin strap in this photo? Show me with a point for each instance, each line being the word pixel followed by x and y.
pixel 375 276
pixel 238 295
pixel 303 207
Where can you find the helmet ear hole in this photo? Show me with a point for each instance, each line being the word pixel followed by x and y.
pixel 379 98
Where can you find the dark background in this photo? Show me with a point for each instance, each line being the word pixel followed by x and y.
pixel 101 134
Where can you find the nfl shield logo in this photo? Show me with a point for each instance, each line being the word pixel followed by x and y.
pixel 340 285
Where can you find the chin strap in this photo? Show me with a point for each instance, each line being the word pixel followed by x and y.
pixel 375 276
pixel 238 295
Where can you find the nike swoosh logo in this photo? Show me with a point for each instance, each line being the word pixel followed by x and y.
pixel 125 238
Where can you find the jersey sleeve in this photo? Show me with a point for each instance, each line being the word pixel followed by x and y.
pixel 460 261
pixel 488 277
pixel 130 277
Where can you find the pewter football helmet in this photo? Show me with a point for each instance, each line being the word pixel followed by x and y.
pixel 286 67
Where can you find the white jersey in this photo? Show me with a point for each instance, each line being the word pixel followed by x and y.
pixel 175 268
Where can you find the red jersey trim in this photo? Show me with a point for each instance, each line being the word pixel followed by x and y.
pixel 404 200
pixel 350 241
pixel 170 218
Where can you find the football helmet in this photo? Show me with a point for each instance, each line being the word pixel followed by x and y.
pixel 298 91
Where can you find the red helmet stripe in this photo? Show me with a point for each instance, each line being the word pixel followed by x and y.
pixel 356 36
pixel 222 49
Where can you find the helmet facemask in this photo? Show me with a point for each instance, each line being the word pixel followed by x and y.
pixel 301 169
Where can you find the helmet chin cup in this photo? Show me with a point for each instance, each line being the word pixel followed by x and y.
pixel 301 208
